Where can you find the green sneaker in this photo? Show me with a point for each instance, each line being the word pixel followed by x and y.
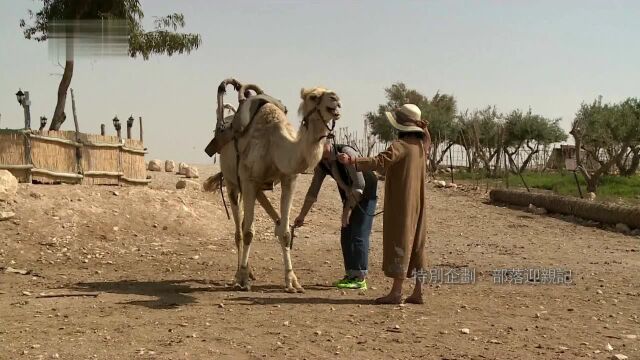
pixel 353 284
pixel 344 280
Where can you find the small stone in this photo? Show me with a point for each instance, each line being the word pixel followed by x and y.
pixel 620 357
pixel 182 168
pixel 115 228
pixel 608 347
pixel 192 172
pixel 440 183
pixel 464 330
pixel 630 336
pixel 591 196
pixel 169 166
pixel 221 306
pixel 195 257
pixel 563 348
pixel 187 184
pixel 494 341
pixel 623 228
pixel 599 292
pixel 8 184
pixel 155 165
pixel 318 332
pixel 26 293
pixel 286 323
pixel 6 215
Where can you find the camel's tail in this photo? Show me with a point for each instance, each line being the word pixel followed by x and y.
pixel 213 183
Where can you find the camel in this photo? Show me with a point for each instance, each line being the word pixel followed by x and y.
pixel 270 151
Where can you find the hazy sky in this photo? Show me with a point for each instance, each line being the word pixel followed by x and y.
pixel 549 55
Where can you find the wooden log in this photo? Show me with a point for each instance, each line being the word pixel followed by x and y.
pixel 604 213
pixel 15 167
pixel 102 173
pixel 54 139
pixel 136 181
pixel 58 174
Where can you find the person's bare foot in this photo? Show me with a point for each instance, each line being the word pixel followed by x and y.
pixel 389 299
pixel 414 299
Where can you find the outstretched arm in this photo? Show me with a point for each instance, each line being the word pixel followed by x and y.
pixel 380 162
pixel 312 194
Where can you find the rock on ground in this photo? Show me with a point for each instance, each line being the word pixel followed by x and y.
pixel 182 168
pixel 191 172
pixel 6 215
pixel 169 166
pixel 155 165
pixel 8 184
pixel 440 183
pixel 187 184
pixel 623 228
pixel 451 185
pixel 536 210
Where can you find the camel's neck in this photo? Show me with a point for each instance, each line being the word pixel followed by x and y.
pixel 306 150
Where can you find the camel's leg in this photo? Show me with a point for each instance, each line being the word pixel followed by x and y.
pixel 236 211
pixel 291 283
pixel 243 276
pixel 266 205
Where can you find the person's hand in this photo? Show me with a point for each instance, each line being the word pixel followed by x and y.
pixel 345 159
pixel 346 213
pixel 299 221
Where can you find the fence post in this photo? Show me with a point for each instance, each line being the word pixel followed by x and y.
pixel 27 112
pixel 141 138
pixel 102 130
pixel 77 127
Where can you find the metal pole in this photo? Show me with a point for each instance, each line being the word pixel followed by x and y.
pixel 102 130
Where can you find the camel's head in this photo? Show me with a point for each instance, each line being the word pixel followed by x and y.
pixel 324 101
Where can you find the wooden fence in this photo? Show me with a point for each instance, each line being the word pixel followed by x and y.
pixel 71 157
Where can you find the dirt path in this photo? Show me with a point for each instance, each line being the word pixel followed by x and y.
pixel 159 260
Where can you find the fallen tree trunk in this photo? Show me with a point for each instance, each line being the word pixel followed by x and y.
pixel 605 213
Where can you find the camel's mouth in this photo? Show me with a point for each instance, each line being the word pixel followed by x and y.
pixel 334 111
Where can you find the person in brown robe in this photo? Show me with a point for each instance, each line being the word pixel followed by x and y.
pixel 404 227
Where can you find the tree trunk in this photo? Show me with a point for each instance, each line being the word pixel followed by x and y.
pixel 633 165
pixel 526 161
pixel 58 114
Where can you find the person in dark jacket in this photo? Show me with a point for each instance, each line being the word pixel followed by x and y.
pixel 358 193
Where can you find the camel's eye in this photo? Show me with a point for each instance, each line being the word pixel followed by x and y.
pixel 313 97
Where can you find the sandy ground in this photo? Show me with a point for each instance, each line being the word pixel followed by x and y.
pixel 144 271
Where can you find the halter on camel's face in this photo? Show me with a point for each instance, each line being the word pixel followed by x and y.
pixel 322 102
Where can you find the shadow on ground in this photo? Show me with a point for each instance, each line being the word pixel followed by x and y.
pixel 171 294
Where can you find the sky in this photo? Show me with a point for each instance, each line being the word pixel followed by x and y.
pixel 547 55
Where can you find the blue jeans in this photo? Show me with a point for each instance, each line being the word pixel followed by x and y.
pixel 354 239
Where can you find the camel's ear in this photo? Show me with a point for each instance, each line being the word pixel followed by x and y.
pixel 303 92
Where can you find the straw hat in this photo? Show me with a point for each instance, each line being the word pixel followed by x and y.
pixel 406 118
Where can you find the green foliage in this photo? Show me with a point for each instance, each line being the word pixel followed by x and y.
pixel 397 95
pixel 609 134
pixel 564 183
pixel 164 39
pixel 439 112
